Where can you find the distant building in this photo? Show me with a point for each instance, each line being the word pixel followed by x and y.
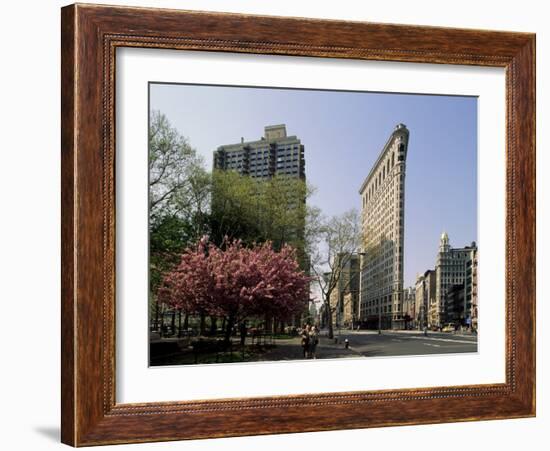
pixel 344 299
pixel 323 316
pixel 471 290
pixel 273 154
pixel 451 267
pixel 425 298
pixel 383 207
pixel 349 309
pixel 409 307
pixel 430 279
pixel 420 302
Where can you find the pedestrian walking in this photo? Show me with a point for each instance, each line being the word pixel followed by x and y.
pixel 305 340
pixel 313 342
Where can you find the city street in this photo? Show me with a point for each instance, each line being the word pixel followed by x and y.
pixel 395 343
pixel 369 344
pixel 362 343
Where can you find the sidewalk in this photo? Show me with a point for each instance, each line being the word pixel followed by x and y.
pixel 291 349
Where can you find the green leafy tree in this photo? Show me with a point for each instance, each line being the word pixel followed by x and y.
pixel 258 210
pixel 331 244
pixel 172 162
pixel 234 208
pixel 179 195
pixel 283 210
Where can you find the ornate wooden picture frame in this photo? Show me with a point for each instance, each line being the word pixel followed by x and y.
pixel 90 36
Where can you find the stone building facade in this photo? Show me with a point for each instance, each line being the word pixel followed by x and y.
pixel 451 269
pixel 471 289
pixel 383 207
pixel 430 278
pixel 425 298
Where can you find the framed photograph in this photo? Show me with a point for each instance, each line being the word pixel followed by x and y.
pixel 278 225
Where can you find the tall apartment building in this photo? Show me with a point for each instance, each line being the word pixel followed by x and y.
pixel 451 270
pixel 383 207
pixel 275 153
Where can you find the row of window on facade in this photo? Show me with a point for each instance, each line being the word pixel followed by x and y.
pixel 381 176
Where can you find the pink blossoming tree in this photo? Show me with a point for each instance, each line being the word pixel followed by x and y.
pixel 236 282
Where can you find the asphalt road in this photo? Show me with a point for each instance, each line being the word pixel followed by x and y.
pixel 370 344
pixel 396 343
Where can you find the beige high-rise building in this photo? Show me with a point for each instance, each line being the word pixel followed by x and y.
pixel 383 207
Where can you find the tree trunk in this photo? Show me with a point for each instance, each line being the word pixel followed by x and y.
pixel 213 325
pixel 223 324
pixel 268 323
pixel 186 322
pixel 202 327
pixel 157 311
pixel 179 323
pixel 173 325
pixel 329 317
pixel 229 328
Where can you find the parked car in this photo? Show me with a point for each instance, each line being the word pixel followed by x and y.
pixel 448 328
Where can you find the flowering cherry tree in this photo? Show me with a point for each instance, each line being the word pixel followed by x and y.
pixel 187 287
pixel 236 282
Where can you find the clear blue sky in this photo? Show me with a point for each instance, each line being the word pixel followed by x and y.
pixel 343 133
